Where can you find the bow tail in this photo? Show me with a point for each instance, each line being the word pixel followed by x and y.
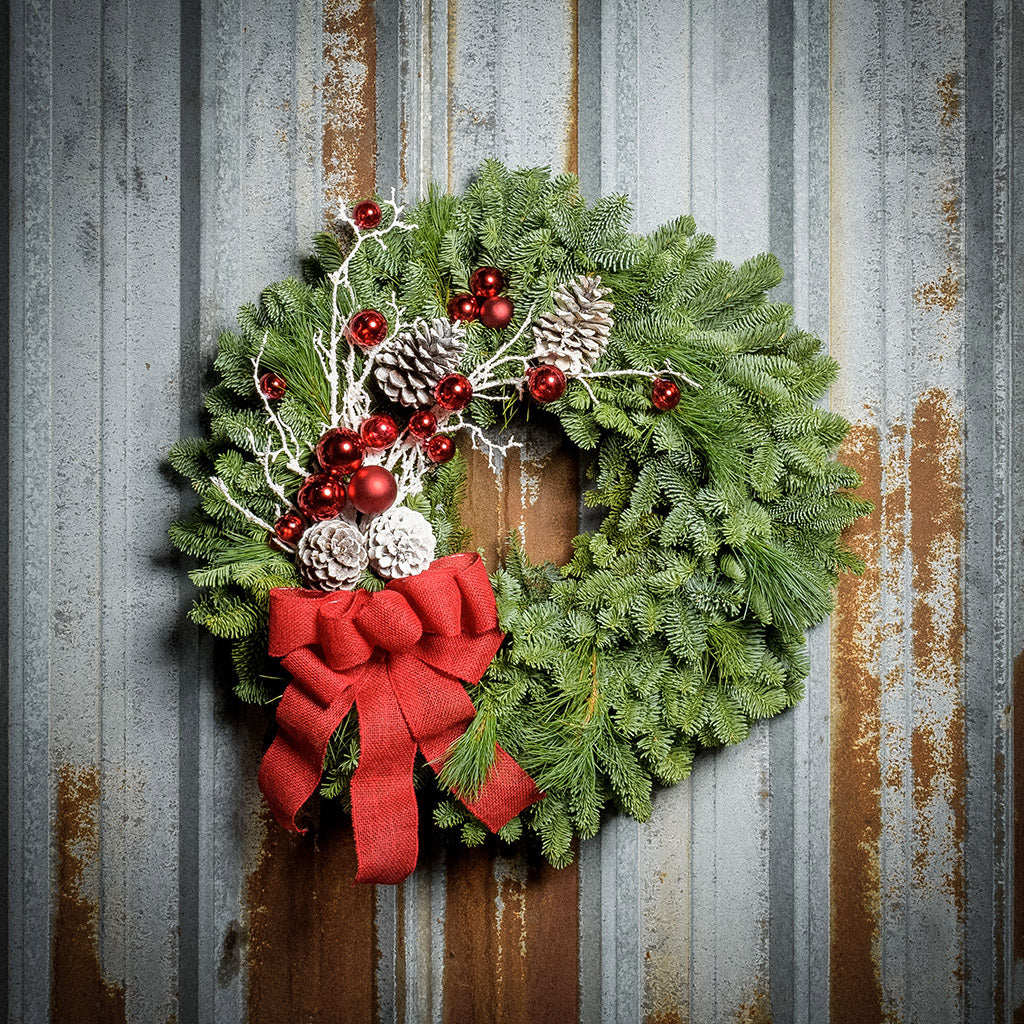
pixel 438 711
pixel 312 707
pixel 385 816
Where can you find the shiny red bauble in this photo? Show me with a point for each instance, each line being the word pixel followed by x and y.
pixel 273 386
pixel 290 527
pixel 496 313
pixel 372 489
pixel 545 383
pixel 367 328
pixel 378 432
pixel 462 308
pixel 366 215
pixel 664 394
pixel 322 496
pixel 486 282
pixel 453 392
pixel 422 424
pixel 340 451
pixel 440 448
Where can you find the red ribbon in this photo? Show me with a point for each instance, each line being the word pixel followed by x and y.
pixel 400 655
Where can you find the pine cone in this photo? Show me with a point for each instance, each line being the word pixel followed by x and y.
pixel 574 334
pixel 416 360
pixel 400 542
pixel 331 555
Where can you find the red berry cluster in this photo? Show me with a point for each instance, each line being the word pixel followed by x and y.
pixel 483 301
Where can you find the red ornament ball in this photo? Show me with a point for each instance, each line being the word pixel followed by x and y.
pixel 486 282
pixel 273 386
pixel 440 448
pixel 340 451
pixel 378 432
pixel 290 527
pixel 366 215
pixel 462 308
pixel 422 424
pixel 664 393
pixel 322 496
pixel 367 328
pixel 372 489
pixel 453 392
pixel 545 383
pixel 496 312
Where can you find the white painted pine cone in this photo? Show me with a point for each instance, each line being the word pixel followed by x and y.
pixel 410 367
pixel 331 555
pixel 574 334
pixel 400 542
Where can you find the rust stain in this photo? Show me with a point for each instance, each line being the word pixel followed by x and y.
pixel 312 946
pixel 539 498
pixel 79 990
pixel 511 924
pixel 951 212
pixel 942 295
pixel 572 127
pixel 664 1017
pixel 510 945
pixel 938 752
pixel 856 820
pixel 757 1010
pixel 1018 823
pixel 949 98
pixel 350 98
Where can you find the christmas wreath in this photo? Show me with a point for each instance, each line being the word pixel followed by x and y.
pixel 333 559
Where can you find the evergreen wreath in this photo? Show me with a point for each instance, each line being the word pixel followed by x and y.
pixel 678 621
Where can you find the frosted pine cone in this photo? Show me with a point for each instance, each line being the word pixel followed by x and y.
pixel 574 334
pixel 331 555
pixel 411 366
pixel 400 542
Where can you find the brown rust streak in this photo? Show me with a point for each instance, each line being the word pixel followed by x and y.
pixel 517 966
pixel 522 963
pixel 312 942
pixel 948 88
pixel 856 820
pixel 350 98
pixel 79 990
pixel 572 126
pixel 938 754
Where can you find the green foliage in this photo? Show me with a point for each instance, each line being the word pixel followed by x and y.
pixel 679 620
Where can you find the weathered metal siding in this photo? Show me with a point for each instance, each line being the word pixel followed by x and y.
pixel 851 861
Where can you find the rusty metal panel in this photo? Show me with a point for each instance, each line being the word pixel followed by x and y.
pixel 851 861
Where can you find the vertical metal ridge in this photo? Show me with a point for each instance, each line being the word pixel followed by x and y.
pixel 995 524
pixel 191 983
pixel 30 514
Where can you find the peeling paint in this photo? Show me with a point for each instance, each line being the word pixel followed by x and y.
pixel 79 991
pixel 349 102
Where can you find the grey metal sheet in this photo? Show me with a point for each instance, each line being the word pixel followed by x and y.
pixel 165 164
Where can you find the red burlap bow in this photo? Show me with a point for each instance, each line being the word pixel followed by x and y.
pixel 399 655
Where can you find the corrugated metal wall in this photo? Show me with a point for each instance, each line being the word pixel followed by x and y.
pixel 852 860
